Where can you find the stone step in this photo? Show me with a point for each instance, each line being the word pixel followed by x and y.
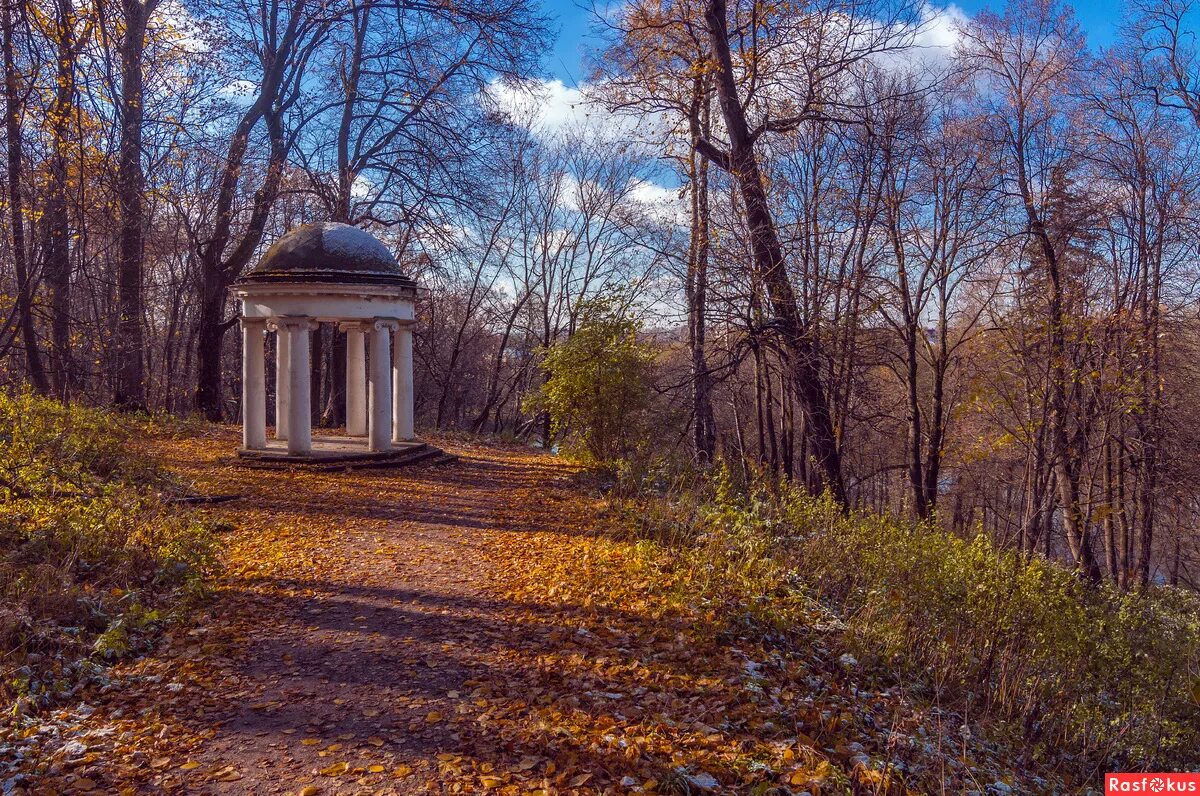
pixel 328 461
pixel 427 455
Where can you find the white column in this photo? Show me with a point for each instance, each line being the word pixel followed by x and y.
pixel 356 379
pixel 299 385
pixel 254 387
pixel 283 385
pixel 380 431
pixel 402 381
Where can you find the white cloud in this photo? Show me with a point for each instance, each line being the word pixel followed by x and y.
pixel 239 91
pixel 552 109
pixel 182 28
pixel 544 105
pixel 666 206
pixel 934 39
pixel 941 27
pixel 362 187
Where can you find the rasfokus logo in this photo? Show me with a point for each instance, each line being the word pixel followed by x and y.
pixel 1151 783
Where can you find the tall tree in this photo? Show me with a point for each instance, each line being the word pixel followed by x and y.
pixel 16 199
pixel 704 432
pixel 283 42
pixel 741 161
pixel 61 30
pixel 130 346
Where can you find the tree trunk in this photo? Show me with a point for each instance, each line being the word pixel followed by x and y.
pixel 492 398
pixel 335 406
pixel 759 420
pixel 130 344
pixel 1065 459
pixel 317 374
pixel 57 221
pixel 937 412
pixel 910 328
pixel 1151 421
pixel 16 206
pixel 222 259
pixel 786 426
pixel 696 282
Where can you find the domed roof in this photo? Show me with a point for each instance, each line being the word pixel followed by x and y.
pixel 328 252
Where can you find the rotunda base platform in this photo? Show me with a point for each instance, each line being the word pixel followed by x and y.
pixel 341 453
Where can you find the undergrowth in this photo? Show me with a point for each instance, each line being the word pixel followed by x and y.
pixel 1075 678
pixel 93 554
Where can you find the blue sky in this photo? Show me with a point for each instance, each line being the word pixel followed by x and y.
pixel 1099 20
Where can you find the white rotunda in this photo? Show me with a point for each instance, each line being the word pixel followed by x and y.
pixel 338 274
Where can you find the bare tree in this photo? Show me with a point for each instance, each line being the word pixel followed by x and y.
pixel 12 125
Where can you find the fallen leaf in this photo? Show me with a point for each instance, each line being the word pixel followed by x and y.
pixel 335 770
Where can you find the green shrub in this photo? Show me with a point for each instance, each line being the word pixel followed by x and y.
pixel 90 546
pixel 1083 677
pixel 1109 676
pixel 598 384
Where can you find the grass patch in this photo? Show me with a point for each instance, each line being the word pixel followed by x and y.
pixel 93 555
pixel 1079 679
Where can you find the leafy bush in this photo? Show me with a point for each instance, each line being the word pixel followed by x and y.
pixel 91 550
pixel 1084 678
pixel 598 383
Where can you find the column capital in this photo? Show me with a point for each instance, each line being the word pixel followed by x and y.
pixel 253 323
pixel 354 326
pixel 385 324
pixel 301 323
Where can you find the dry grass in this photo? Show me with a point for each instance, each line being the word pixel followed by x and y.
pixel 93 556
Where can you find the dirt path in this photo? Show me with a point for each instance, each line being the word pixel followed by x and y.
pixel 357 665
pixel 375 626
